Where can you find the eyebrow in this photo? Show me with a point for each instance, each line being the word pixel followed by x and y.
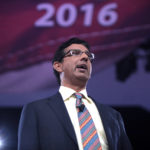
pixel 78 49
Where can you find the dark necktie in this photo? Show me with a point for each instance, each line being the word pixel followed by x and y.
pixel 90 139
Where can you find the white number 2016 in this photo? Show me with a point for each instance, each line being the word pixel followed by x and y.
pixel 107 16
pixel 44 20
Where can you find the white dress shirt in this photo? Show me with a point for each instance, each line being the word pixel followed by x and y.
pixel 70 103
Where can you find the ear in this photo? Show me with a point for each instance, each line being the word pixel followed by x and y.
pixel 57 66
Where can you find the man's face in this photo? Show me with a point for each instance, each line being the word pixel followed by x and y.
pixel 75 67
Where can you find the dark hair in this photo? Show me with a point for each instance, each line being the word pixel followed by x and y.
pixel 59 54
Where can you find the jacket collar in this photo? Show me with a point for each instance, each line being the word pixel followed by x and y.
pixel 106 123
pixel 57 105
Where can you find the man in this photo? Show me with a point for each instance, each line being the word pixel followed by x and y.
pixel 70 119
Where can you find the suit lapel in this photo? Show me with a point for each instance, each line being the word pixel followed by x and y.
pixel 57 105
pixel 106 123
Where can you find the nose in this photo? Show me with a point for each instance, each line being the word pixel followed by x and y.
pixel 84 57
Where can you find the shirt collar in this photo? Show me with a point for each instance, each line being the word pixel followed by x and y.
pixel 68 92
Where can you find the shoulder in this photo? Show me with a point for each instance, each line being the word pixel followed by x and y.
pixel 104 107
pixel 45 100
pixel 110 115
pixel 41 103
pixel 107 110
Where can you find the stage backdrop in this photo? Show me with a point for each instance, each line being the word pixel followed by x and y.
pixel 30 32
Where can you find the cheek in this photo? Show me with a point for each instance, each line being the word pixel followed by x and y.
pixel 68 68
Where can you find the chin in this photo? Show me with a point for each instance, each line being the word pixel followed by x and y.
pixel 83 78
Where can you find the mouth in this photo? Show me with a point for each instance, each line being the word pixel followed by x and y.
pixel 82 67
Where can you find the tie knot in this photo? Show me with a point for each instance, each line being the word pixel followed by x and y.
pixel 79 104
pixel 78 95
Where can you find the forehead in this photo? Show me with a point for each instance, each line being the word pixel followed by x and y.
pixel 76 46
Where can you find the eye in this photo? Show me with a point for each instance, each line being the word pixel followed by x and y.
pixel 75 52
pixel 88 54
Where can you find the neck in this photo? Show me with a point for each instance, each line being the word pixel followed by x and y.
pixel 76 87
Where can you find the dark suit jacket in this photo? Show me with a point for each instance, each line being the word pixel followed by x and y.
pixel 45 125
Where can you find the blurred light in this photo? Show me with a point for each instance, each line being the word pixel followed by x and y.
pixel 1 142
